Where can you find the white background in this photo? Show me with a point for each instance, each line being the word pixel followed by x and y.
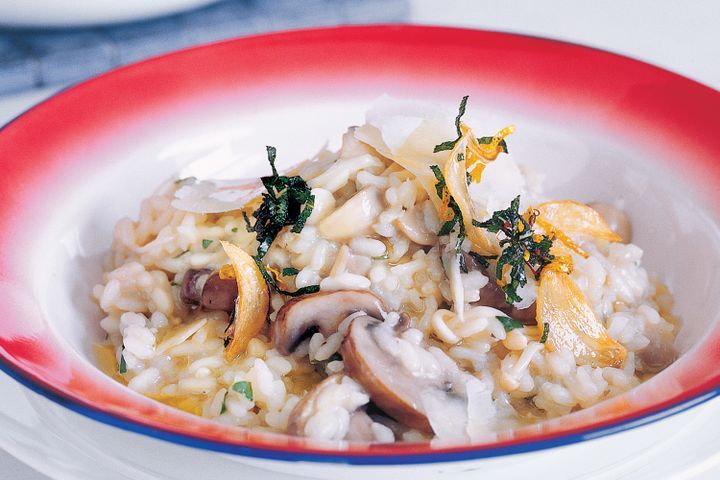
pixel 680 36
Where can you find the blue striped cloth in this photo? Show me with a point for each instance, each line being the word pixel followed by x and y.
pixel 36 58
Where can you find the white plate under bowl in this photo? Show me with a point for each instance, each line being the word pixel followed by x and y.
pixel 66 446
pixel 75 13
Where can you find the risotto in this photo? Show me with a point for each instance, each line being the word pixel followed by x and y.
pixel 414 284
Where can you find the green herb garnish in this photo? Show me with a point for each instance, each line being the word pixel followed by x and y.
pixel 450 144
pixel 440 188
pixel 545 333
pixel 181 253
pixel 122 368
pixel 457 218
pixel 234 229
pixel 384 256
pixel 521 248
pixel 509 323
pixel 290 272
pixel 273 283
pixel 243 388
pixel 461 261
pixel 206 243
pixel 287 201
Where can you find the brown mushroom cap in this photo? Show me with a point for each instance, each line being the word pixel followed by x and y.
pixel 322 311
pixel 390 385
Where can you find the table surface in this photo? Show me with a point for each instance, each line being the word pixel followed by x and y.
pixel 680 37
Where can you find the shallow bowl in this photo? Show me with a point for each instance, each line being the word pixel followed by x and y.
pixel 599 126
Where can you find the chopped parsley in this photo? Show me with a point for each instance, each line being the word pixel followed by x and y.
pixel 206 243
pixel 545 333
pixel 235 229
pixel 243 388
pixel 286 201
pixel 290 272
pixel 521 248
pixel 509 323
pixel 122 368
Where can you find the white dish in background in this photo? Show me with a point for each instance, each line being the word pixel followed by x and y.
pixel 75 13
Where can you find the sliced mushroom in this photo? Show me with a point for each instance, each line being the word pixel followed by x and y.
pixel 323 312
pixel 192 285
pixel 394 389
pixel 206 289
pixel 219 294
pixel 418 386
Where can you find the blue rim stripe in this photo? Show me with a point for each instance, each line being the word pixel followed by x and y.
pixel 331 457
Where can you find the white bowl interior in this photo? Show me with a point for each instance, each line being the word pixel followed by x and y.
pixel 680 239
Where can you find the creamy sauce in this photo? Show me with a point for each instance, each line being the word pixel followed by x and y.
pixel 105 356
